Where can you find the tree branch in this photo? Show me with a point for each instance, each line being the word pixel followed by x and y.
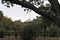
pixel 48 15
pixel 55 6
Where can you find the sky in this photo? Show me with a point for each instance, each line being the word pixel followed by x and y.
pixel 18 13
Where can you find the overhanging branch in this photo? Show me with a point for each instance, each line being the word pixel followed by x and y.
pixel 48 15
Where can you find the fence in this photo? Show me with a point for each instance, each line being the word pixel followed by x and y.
pixel 42 36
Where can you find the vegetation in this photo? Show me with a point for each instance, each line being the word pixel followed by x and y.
pixel 29 29
pixel 52 15
pixel 37 27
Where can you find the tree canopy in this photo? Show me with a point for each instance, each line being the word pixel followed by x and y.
pixel 53 15
pixel 28 29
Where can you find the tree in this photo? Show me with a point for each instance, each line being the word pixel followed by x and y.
pixel 1 31
pixel 52 16
pixel 1 15
pixel 17 28
pixel 39 27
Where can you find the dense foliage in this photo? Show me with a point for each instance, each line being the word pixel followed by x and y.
pixel 29 29
pixel 37 27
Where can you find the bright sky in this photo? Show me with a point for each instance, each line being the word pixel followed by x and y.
pixel 16 13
